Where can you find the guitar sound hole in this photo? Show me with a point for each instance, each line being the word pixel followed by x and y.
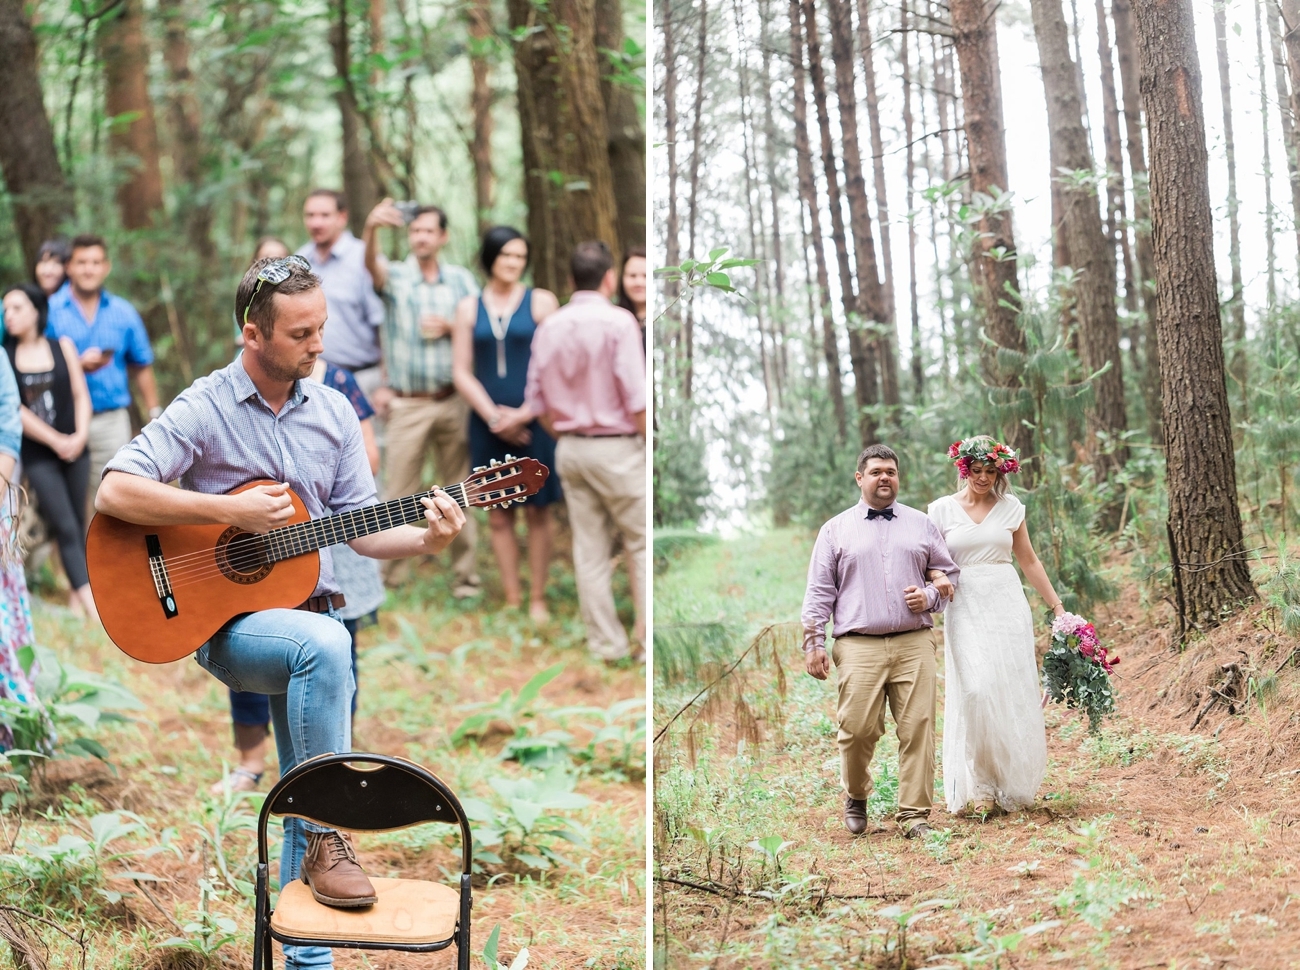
pixel 242 557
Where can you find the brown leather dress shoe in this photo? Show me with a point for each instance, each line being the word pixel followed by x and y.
pixel 918 831
pixel 855 815
pixel 331 869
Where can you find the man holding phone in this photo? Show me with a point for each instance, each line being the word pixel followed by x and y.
pixel 112 343
pixel 417 399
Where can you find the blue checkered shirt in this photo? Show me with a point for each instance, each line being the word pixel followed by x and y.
pixel 118 328
pixel 413 363
pixel 220 433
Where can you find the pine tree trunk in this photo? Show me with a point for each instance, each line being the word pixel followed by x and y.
pixel 862 355
pixel 871 296
pixel 562 129
pixel 479 15
pixel 126 93
pixel 1126 49
pixel 1285 72
pixel 672 230
pixel 1268 162
pixel 1236 304
pixel 1092 255
pixel 692 206
pixel 865 47
pixel 40 195
pixel 993 261
pixel 1116 205
pixel 808 190
pixel 1211 573
pixel 626 133
pixel 769 156
pixel 359 184
pixel 909 166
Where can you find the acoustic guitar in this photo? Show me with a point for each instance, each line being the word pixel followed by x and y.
pixel 163 590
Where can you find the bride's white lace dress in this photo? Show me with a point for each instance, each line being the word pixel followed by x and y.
pixel 994 744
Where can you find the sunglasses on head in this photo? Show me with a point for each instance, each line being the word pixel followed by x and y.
pixel 276 272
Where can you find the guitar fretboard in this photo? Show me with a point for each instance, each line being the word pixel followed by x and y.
pixel 294 540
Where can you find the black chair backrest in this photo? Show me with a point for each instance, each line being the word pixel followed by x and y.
pixel 364 792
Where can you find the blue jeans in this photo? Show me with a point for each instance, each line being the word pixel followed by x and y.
pixel 254 710
pixel 304 662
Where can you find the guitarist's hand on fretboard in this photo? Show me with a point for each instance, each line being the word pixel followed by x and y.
pixel 445 519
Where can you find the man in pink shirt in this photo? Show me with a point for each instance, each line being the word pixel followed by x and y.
pixel 586 383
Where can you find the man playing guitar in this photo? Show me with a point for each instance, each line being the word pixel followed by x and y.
pixel 259 418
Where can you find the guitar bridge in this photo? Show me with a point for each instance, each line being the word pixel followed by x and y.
pixel 161 581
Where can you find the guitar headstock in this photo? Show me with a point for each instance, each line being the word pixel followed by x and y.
pixel 499 484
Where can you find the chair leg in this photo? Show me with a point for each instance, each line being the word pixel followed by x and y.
pixel 260 921
pixel 462 942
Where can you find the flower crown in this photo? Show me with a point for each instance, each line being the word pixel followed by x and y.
pixel 982 449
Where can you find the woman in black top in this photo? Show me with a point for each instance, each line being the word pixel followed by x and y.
pixel 56 424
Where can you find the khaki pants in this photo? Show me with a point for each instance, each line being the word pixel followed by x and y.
pixel 899 668
pixel 109 431
pixel 604 487
pixel 415 427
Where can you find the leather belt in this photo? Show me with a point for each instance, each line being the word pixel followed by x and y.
pixel 441 394
pixel 322 604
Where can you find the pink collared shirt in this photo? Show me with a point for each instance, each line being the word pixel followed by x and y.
pixel 588 369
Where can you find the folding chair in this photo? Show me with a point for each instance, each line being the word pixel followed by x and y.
pixel 364 793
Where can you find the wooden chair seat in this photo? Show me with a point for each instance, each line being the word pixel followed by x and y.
pixel 409 912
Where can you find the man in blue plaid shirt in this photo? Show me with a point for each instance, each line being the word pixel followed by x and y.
pixel 425 416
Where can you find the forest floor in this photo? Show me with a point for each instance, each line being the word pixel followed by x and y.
pixel 1153 844
pixel 431 663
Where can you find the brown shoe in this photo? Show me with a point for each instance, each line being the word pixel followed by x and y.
pixel 855 815
pixel 918 831
pixel 331 869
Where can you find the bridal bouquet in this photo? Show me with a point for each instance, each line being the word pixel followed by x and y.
pixel 1077 669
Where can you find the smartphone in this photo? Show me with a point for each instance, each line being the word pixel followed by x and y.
pixel 408 211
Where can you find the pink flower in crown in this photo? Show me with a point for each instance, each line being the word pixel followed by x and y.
pixel 1010 466
pixel 953 449
pixel 963 468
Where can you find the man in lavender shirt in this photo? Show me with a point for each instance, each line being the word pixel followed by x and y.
pixel 869 569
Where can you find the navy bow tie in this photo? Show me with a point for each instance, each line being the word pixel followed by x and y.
pixel 880 514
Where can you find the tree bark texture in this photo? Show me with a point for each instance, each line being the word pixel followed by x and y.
pixel 692 207
pixel 770 149
pixel 866 51
pixel 909 166
pixel 862 355
pixel 808 190
pixel 359 183
pixel 1286 69
pixel 993 262
pixel 626 132
pixel 38 191
pixel 187 138
pixel 1211 574
pixel 479 17
pixel 1091 254
pixel 672 231
pixel 1126 51
pixel 134 139
pixel 567 179
pixel 871 295
pixel 1236 303
pixel 1116 205
pixel 1269 246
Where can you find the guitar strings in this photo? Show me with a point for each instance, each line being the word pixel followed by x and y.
pixel 196 572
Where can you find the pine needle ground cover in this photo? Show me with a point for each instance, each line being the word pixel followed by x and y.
pixel 549 757
pixel 1154 843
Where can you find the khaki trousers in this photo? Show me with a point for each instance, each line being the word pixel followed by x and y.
pixel 604 487
pixel 416 427
pixel 900 669
pixel 109 431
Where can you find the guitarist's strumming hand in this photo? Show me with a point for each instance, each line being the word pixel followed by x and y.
pixel 261 508
pixel 445 520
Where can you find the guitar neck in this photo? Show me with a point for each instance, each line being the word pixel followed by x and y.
pixel 303 537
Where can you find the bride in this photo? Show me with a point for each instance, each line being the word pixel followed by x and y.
pixel 994 745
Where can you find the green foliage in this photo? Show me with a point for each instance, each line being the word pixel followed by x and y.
pixel 900 919
pixel 811 475
pixel 992 947
pixel 1280 590
pixel 207 932
pixel 522 822
pixel 509 708
pixel 490 953
pixel 681 477
pixel 1079 682
pixel 70 875
pixel 227 819
pixel 72 700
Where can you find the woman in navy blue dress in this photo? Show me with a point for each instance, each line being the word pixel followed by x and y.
pixel 491 346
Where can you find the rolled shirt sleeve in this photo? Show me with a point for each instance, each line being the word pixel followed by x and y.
pixel 167 447
pixel 940 559
pixel 139 353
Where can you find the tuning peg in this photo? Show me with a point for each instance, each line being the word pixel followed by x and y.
pixel 511 458
pixel 494 463
pixel 480 468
